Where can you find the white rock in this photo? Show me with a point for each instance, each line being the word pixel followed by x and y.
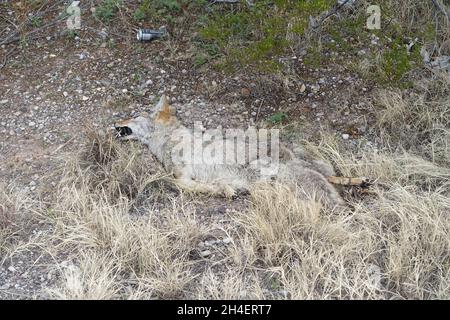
pixel 345 136
pixel 227 240
pixel 5 286
pixel 205 253
pixel 302 88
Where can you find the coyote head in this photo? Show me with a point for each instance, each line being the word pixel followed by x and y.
pixel 142 126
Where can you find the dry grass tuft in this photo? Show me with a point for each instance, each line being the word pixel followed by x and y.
pixel 150 253
pixel 107 165
pixel 13 203
pixel 393 245
pixel 418 121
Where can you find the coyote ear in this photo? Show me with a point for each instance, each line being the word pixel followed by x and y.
pixel 163 110
pixel 162 104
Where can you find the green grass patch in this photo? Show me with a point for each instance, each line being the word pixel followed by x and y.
pixel 107 10
pixel 255 36
pixel 278 118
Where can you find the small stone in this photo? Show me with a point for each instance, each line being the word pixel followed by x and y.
pixel 227 240
pixel 4 101
pixel 302 88
pixel 5 286
pixel 245 92
pixel 205 253
pixel 345 136
pixel 11 269
pixel 84 98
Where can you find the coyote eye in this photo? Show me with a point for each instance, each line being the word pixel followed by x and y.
pixel 123 131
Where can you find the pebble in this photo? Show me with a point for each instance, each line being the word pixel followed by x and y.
pixel 205 253
pixel 227 240
pixel 245 92
pixel 5 286
pixel 302 88
pixel 345 136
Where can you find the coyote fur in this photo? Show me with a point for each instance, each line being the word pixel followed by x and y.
pixel 308 177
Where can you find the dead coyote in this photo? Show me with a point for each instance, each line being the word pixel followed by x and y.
pixel 165 136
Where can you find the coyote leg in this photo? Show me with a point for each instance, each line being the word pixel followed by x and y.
pixel 344 181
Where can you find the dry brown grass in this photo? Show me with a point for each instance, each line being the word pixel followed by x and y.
pixel 393 243
pixel 111 249
pixel 418 120
pixel 12 205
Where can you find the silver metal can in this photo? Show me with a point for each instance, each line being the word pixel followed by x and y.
pixel 149 34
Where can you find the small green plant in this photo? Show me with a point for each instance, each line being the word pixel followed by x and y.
pixel 170 5
pixel 36 21
pixel 139 14
pixel 256 35
pixel 111 44
pixel 142 11
pixel 137 77
pixel 200 59
pixel 107 10
pixel 397 61
pixel 278 118
pixel 70 34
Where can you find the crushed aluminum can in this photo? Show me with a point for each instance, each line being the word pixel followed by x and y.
pixel 149 34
